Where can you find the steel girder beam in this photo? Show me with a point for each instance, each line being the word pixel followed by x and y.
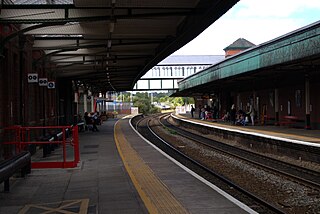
pixel 49 16
pixel 98 45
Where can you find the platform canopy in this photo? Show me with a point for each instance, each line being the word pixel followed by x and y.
pixel 109 44
pixel 285 60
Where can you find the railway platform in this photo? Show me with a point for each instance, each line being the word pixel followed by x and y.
pixel 99 184
pixel 288 133
pixel 119 173
pixel 296 145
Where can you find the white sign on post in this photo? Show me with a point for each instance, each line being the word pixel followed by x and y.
pixel 43 81
pixel 32 77
pixel 51 85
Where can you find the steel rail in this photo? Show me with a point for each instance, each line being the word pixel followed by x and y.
pixel 296 177
pixel 213 173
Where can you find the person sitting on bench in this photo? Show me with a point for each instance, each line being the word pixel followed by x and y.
pixel 90 122
pixel 241 118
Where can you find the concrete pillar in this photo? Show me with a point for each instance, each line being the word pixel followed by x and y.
pixel 276 105
pixel 238 102
pixel 104 102
pixel 85 107
pixel 76 100
pixel 92 103
pixel 307 96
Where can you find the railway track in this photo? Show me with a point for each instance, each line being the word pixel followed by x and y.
pixel 261 206
pixel 308 180
pixel 304 176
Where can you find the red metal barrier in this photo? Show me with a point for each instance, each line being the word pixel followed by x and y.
pixel 22 137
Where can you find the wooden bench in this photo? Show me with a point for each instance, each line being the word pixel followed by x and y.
pixel 10 166
pixel 289 120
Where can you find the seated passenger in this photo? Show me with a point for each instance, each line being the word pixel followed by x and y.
pixel 208 115
pixel 226 117
pixel 97 118
pixel 90 122
pixel 241 118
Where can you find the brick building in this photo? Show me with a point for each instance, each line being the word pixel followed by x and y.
pixel 237 46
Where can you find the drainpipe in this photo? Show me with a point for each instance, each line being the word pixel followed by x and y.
pixel 22 42
pixel 92 102
pixel 85 108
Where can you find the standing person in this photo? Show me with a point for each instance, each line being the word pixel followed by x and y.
pixel 200 111
pixel 192 110
pixel 203 112
pixel 233 114
pixel 215 112
pixel 252 114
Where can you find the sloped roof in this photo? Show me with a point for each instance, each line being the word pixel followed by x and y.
pixel 192 59
pixel 241 44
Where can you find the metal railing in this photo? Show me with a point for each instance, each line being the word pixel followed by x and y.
pixel 66 136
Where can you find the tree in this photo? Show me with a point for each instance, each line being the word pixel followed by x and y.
pixel 143 102
pixel 177 101
pixel 124 97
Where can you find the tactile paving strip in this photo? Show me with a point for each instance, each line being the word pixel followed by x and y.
pixel 155 195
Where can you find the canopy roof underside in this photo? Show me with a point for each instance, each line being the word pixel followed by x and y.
pixel 109 44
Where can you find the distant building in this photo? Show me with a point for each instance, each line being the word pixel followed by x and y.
pixel 182 65
pixel 239 45
pixel 166 74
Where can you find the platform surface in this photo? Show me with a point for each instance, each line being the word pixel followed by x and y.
pixel 194 195
pixel 298 134
pixel 119 173
pixel 99 185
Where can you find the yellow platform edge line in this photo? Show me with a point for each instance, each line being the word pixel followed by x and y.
pixel 148 197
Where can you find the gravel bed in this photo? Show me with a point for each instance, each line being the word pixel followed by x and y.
pixel 301 163
pixel 290 196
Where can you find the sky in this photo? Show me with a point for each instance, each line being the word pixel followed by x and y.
pixel 257 21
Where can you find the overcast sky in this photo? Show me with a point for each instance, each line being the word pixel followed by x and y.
pixel 258 21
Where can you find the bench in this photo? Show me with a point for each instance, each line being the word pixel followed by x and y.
pixel 81 126
pixel 289 120
pixel 57 136
pixel 10 166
